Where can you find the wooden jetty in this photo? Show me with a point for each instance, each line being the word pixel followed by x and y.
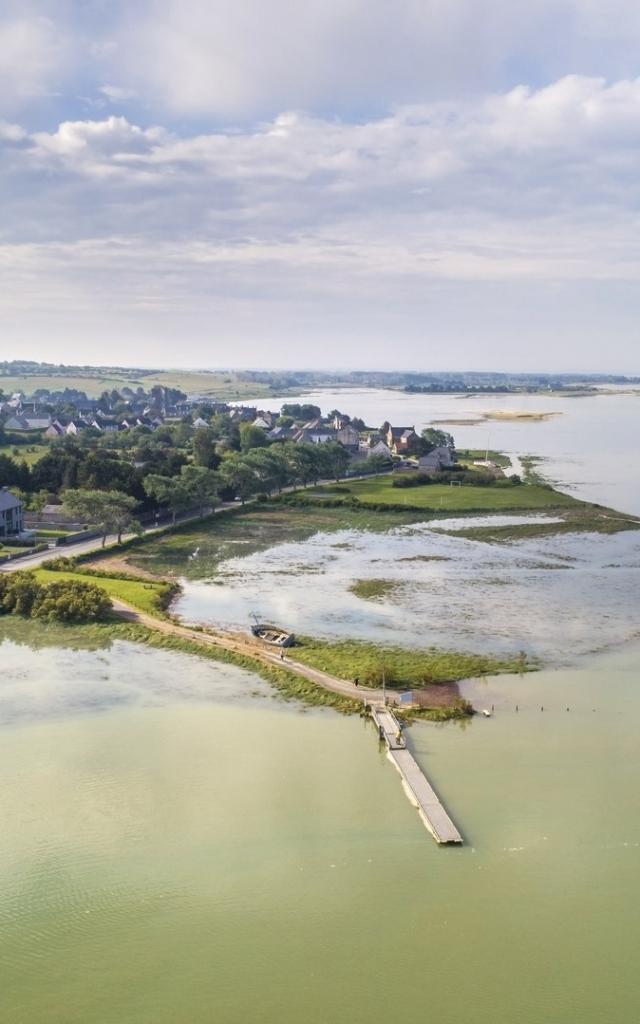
pixel 415 784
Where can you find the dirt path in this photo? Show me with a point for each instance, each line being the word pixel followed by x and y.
pixel 250 648
pixel 440 695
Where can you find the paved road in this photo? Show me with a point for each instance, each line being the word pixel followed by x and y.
pixel 95 544
pixel 85 547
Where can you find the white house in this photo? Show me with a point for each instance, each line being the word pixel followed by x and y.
pixel 317 435
pixel 11 518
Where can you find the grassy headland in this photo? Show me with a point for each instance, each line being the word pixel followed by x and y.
pixel 437 498
pixel 403 668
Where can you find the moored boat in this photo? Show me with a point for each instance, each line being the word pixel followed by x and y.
pixel 273 635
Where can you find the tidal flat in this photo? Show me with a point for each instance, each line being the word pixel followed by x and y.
pixel 555 597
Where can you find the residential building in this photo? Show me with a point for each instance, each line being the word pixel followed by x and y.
pixel 348 437
pixel 401 440
pixel 316 435
pixel 438 459
pixel 380 447
pixel 19 423
pixel 11 514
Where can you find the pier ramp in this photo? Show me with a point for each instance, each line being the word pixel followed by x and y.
pixel 415 784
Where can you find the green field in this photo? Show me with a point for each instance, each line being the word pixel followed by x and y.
pixel 224 386
pixel 29 453
pixel 444 498
pixel 148 597
pixel 93 386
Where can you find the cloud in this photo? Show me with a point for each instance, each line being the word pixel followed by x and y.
pixel 32 52
pixel 11 132
pixel 116 93
pixel 450 213
pixel 244 59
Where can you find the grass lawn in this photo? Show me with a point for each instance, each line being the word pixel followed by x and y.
pixel 148 597
pixel 442 497
pixel 471 454
pixel 29 453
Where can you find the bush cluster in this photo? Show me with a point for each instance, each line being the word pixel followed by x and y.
pixel 470 478
pixel 62 601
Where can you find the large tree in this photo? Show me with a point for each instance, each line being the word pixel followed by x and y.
pixel 204 449
pixel 109 511
pixel 201 485
pixel 252 437
pixel 433 438
pixel 270 467
pixel 169 491
pixel 335 460
pixel 239 477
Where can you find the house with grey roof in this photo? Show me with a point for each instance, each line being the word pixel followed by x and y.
pixel 438 459
pixel 11 514
pixel 25 423
pixel 315 435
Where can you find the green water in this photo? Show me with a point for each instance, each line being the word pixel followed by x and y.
pixel 175 850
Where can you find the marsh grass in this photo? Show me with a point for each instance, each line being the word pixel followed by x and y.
pixel 222 537
pixel 374 589
pixel 403 669
pixel 584 519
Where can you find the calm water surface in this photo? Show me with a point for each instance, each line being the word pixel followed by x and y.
pixel 189 852
pixel 589 445
pixel 179 846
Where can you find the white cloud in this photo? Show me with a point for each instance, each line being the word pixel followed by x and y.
pixel 239 58
pixel 402 219
pixel 116 93
pixel 32 52
pixel 11 132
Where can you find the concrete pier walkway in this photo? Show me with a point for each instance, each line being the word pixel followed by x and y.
pixel 416 785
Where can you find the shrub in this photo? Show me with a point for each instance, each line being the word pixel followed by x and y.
pixel 412 480
pixel 71 601
pixel 18 593
pixel 62 601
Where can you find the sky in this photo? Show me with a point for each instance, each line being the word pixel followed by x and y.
pixel 373 184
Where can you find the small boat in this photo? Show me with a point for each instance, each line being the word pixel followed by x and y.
pixel 486 712
pixel 273 635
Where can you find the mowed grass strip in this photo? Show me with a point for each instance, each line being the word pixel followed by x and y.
pixel 146 596
pixel 459 498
